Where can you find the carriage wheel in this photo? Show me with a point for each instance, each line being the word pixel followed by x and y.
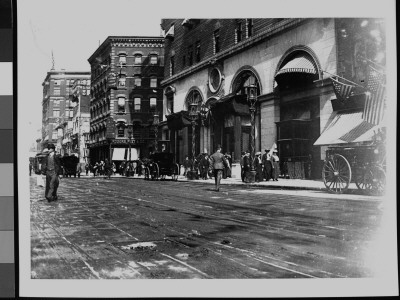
pixel 375 180
pixel 146 173
pixel 155 172
pixel 336 174
pixel 175 172
pixel 359 174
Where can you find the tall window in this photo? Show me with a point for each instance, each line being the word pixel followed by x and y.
pixel 153 103
pixel 121 80
pixel 138 59
pixel 122 59
pixel 172 66
pixel 56 113
pixel 54 135
pixel 138 80
pixel 153 82
pixel 56 91
pixel 170 104
pixel 190 55
pixel 249 27
pixel 153 59
pixel 216 41
pixel 137 104
pixel 238 36
pixel 121 104
pixel 197 51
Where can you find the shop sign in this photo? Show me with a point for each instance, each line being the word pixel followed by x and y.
pixel 110 129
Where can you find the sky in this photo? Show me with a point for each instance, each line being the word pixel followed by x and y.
pixel 73 30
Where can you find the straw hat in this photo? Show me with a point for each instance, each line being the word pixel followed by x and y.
pixel 258 153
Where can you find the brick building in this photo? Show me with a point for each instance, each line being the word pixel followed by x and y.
pixel 57 106
pixel 126 97
pixel 209 62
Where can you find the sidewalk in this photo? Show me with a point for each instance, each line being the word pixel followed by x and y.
pixel 289 184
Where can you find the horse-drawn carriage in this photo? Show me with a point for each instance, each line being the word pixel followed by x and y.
pixel 365 165
pixel 160 165
pixel 69 164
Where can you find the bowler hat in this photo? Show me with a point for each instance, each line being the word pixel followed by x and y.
pixel 51 146
pixel 258 153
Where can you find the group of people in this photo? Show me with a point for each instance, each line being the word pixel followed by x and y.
pixel 203 164
pixel 266 165
pixel 101 168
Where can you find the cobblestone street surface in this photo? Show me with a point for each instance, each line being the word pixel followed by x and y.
pixel 130 228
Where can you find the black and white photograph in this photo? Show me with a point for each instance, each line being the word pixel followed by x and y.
pixel 248 145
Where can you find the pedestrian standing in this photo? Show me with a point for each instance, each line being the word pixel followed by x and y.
pixel 258 167
pixel 30 168
pixel 242 166
pixel 107 169
pixel 204 166
pixel 218 163
pixel 275 163
pixel 267 163
pixel 246 165
pixel 186 165
pixel 51 167
pixel 87 169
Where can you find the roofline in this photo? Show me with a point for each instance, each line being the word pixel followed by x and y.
pixel 112 38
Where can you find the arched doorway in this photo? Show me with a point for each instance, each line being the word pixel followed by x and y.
pixel 299 124
pixel 231 124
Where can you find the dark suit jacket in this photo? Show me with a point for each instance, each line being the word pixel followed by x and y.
pixel 57 165
pixel 217 161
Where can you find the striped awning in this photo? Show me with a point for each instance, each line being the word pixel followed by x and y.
pixel 346 128
pixel 299 64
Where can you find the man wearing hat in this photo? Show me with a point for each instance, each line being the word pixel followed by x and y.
pixel 258 167
pixel 267 163
pixel 218 163
pixel 52 169
pixel 246 165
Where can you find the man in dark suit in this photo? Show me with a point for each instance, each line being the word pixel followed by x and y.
pixel 52 169
pixel 218 163
pixel 246 165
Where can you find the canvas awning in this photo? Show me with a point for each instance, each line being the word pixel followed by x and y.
pixel 119 154
pixel 232 103
pixel 179 120
pixel 347 128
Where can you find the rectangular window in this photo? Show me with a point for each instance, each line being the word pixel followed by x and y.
pixel 172 66
pixel 54 135
pixel 56 91
pixel 153 59
pixel 216 41
pixel 56 102
pixel 138 81
pixel 138 59
pixel 190 55
pixel 137 102
pixel 239 33
pixel 122 60
pixel 197 51
pixel 249 28
pixel 184 61
pixel 71 113
pixel 153 103
pixel 121 132
pixel 153 82
pixel 122 81
pixel 56 113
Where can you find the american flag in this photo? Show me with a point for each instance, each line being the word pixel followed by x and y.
pixel 342 90
pixel 374 107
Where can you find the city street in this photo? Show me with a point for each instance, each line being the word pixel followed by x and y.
pixel 130 228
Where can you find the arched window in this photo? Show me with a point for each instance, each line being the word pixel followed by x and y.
pixel 193 97
pixel 243 80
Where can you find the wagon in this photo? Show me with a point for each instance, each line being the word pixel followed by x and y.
pixel 365 165
pixel 161 165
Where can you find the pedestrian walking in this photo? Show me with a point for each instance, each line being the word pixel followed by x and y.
pixel 267 164
pixel 258 167
pixel 204 166
pixel 51 167
pixel 275 163
pixel 218 163
pixel 30 168
pixel 87 169
pixel 107 169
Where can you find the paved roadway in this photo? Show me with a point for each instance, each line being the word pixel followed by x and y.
pixel 132 228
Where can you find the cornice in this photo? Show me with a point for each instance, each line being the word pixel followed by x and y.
pixel 245 44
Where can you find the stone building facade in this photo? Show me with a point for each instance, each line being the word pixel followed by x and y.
pixel 291 61
pixel 126 97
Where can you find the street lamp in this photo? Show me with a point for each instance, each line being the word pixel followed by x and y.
pixel 193 113
pixel 130 133
pixel 156 121
pixel 251 91
pixel 203 114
